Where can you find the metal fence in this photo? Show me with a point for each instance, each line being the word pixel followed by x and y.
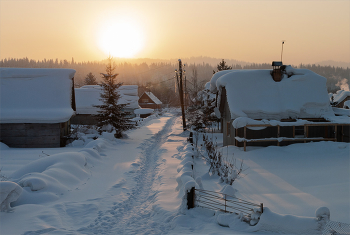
pixel 225 203
pixel 336 228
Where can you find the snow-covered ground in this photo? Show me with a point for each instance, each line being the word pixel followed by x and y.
pixel 131 186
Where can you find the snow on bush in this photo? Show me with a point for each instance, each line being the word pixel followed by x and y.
pixel 9 192
pixel 323 213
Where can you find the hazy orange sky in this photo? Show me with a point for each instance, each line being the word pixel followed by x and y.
pixel 247 30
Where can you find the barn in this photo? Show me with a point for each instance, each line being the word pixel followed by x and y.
pixel 36 106
pixel 149 101
pixel 87 97
pixel 278 107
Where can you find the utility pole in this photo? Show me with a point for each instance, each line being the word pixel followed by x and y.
pixel 181 93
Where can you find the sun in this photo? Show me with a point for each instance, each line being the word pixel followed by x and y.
pixel 121 38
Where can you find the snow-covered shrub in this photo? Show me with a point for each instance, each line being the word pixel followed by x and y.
pixel 226 168
pixel 9 192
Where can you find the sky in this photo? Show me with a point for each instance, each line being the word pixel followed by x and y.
pixel 250 31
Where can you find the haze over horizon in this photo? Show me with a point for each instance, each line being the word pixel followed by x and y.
pixel 249 31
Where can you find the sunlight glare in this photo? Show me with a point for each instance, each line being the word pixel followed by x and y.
pixel 123 39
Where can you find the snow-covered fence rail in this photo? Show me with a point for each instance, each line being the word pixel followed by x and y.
pixel 333 227
pixel 223 202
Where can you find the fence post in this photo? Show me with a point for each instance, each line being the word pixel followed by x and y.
pixel 190 198
pixel 262 207
pixel 225 203
pixel 190 139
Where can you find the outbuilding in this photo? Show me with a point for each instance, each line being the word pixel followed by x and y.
pixel 258 108
pixel 149 101
pixel 36 106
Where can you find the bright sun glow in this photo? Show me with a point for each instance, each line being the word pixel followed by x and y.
pixel 121 39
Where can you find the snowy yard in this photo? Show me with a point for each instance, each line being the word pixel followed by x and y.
pixel 131 186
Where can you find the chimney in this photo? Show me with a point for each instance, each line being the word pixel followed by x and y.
pixel 276 73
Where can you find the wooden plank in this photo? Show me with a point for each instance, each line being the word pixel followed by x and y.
pixel 278 134
pixel 245 136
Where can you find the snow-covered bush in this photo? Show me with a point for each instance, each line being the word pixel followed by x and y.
pixel 226 168
pixel 9 192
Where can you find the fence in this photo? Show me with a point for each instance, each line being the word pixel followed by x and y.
pixel 221 202
pixel 332 228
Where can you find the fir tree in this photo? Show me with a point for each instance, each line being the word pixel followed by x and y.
pixel 222 66
pixel 90 79
pixel 111 114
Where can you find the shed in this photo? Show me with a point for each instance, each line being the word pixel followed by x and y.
pixel 36 106
pixel 149 100
pixel 258 110
pixel 87 97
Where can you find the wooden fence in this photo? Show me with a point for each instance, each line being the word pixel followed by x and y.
pixel 221 202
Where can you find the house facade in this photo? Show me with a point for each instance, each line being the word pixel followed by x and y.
pixel 36 107
pixel 150 101
pixel 258 110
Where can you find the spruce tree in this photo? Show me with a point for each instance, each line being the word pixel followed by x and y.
pixel 222 66
pixel 111 113
pixel 90 79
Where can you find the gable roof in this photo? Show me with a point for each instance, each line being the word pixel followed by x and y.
pixel 88 96
pixel 254 94
pixel 152 97
pixel 340 95
pixel 30 95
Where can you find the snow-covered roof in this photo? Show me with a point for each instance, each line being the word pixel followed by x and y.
pixel 30 95
pixel 340 95
pixel 88 96
pixel 153 97
pixel 254 94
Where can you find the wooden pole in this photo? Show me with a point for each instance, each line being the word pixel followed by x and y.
pixel 181 94
pixel 278 134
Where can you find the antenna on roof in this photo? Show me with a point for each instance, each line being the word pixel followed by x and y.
pixel 282 49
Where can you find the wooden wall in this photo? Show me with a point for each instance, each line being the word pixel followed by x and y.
pixel 32 135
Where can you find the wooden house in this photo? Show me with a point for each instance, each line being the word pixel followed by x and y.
pixel 36 106
pixel 150 101
pixel 87 97
pixel 340 98
pixel 258 109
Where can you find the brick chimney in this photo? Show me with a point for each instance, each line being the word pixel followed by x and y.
pixel 276 73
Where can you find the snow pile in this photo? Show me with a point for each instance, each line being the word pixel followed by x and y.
pixel 254 94
pixel 3 146
pixel 36 95
pixel 9 192
pixel 287 224
pixel 88 96
pixel 54 176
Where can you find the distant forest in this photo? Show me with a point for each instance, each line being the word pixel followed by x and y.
pixel 158 76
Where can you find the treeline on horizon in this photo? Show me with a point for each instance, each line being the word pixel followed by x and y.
pixel 158 76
